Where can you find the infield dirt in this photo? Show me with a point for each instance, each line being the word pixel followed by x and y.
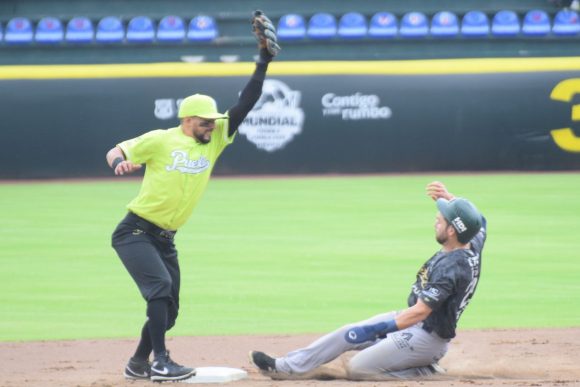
pixel 522 357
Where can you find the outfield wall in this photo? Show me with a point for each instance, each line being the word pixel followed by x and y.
pixel 314 117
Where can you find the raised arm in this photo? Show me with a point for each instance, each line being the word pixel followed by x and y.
pixel 267 43
pixel 437 190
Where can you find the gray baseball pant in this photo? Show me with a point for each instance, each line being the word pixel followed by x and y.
pixel 402 355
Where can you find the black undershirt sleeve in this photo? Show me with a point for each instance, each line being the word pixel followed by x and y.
pixel 248 98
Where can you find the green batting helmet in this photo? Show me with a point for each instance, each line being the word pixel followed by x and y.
pixel 462 215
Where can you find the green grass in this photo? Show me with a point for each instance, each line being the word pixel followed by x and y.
pixel 285 255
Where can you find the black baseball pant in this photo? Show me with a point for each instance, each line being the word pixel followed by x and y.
pixel 149 255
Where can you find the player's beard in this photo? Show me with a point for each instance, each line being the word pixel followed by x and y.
pixel 203 138
pixel 441 238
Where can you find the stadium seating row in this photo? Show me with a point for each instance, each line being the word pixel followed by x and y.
pixel 352 25
pixel 417 24
pixel 110 29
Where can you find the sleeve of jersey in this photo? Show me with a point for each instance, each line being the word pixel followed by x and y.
pixel 479 240
pixel 138 150
pixel 222 128
pixel 440 285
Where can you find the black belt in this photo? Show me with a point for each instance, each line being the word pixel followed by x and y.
pixel 149 227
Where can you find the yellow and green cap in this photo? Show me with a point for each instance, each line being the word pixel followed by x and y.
pixel 199 105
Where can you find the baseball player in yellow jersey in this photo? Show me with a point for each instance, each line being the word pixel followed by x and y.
pixel 179 162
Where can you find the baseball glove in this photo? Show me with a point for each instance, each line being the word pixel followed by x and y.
pixel 265 33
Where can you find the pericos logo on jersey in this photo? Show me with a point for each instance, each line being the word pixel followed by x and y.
pixel 183 164
pixel 423 275
pixel 276 117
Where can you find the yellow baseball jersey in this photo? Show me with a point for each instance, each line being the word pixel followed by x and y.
pixel 177 172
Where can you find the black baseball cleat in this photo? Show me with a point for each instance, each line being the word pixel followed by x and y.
pixel 163 368
pixel 264 362
pixel 138 369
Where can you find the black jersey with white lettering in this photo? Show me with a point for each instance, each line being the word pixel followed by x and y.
pixel 446 282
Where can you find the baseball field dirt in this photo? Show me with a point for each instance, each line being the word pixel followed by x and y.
pixel 506 357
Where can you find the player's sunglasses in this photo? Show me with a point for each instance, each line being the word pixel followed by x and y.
pixel 206 123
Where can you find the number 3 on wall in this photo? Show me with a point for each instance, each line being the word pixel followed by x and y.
pixel 565 91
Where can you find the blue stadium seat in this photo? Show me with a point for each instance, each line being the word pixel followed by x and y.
pixel 414 25
pixel 171 29
pixel 383 25
pixel 1 33
pixel 536 23
pixel 19 31
pixel 505 23
pixel 475 24
pixel 566 23
pixel 321 26
pixel 352 25
pixel 79 30
pixel 140 30
pixel 291 27
pixel 444 24
pixel 49 30
pixel 110 30
pixel 202 29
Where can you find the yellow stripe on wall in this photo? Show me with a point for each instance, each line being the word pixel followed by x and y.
pixel 400 67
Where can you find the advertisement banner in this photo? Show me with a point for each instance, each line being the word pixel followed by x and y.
pixel 351 123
